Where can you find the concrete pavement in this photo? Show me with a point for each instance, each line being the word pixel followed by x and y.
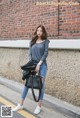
pixel 52 107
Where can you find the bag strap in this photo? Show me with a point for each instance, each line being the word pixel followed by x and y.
pixel 34 96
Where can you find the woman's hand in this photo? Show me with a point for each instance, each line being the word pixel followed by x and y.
pixel 37 68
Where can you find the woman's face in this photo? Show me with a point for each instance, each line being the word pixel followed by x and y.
pixel 39 32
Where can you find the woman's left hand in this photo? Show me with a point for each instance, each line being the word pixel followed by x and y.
pixel 37 68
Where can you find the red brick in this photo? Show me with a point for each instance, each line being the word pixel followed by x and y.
pixel 19 18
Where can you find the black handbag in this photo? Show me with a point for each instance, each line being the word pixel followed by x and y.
pixel 34 82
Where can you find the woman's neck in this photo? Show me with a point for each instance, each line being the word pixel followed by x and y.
pixel 39 39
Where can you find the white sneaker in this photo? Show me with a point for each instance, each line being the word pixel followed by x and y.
pixel 18 107
pixel 37 110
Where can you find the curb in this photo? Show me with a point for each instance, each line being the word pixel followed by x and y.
pixel 49 101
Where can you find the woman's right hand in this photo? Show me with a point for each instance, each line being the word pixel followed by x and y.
pixel 37 68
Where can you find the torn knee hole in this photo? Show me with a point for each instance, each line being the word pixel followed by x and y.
pixel 43 79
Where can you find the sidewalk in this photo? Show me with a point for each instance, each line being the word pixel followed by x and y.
pixel 51 107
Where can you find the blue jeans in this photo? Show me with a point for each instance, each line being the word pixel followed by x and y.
pixel 42 72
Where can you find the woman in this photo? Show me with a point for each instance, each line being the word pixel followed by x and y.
pixel 38 51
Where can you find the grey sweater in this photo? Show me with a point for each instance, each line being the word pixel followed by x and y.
pixel 39 51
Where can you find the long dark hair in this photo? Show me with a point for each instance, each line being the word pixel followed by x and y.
pixel 35 37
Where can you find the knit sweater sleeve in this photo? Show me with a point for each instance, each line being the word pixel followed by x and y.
pixel 45 50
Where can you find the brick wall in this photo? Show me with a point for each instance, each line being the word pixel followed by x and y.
pixel 69 20
pixel 19 18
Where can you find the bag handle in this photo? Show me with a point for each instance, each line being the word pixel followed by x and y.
pixel 33 90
